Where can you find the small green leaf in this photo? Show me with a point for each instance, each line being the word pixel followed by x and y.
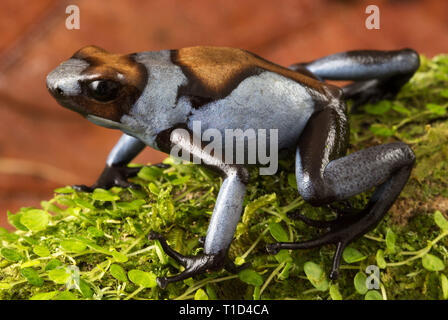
pixel 381 130
pixel 381 262
pixel 436 109
pixel 31 240
pixel 211 292
pixel 59 275
pixel 360 283
pixel 432 263
pixel 104 195
pixel 440 220
pixel 118 272
pixel 131 206
pixel 85 289
pixel 391 238
pixel 14 219
pixel 239 261
pixel 373 295
pixel 284 274
pixel 3 231
pixel 334 292
pixel 277 232
pixel 11 254
pixel 52 264
pixel 400 109
pixel 73 246
pixel 444 285
pixel 150 173
pixel 119 257
pixel 64 190
pixel 378 108
pixel 41 251
pixel 251 277
pixel 84 204
pixel 65 295
pixel 154 189
pixel 32 276
pixel 35 219
pixel 256 204
pixel 444 93
pixel 200 295
pixel 95 232
pixel 283 256
pixel 30 263
pixel 181 180
pixel 257 292
pixel 142 278
pixel 44 295
pixel 50 207
pixel 316 275
pixel 160 254
pixel 351 255
pixel 4 286
pixel 8 237
pixel 292 181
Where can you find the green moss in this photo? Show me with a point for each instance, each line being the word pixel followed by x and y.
pixel 104 234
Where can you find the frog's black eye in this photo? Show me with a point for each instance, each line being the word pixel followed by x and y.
pixel 103 90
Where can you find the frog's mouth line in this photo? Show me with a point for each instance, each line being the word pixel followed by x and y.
pixel 66 102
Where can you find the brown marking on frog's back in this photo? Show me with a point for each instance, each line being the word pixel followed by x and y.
pixel 121 68
pixel 214 72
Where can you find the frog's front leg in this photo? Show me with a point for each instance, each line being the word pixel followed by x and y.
pixel 325 175
pixel 225 217
pixel 116 172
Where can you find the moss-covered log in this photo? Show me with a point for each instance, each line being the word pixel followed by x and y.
pixel 102 237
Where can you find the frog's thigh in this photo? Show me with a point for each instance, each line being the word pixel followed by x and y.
pixel 364 65
pixel 324 175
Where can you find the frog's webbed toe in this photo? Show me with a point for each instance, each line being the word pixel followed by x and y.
pixel 340 232
pixel 311 222
pixel 116 176
pixel 344 214
pixel 344 209
pixel 112 176
pixel 194 265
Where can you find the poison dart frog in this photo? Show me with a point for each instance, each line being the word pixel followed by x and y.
pixel 148 95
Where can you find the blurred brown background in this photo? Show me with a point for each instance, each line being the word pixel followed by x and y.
pixel 43 146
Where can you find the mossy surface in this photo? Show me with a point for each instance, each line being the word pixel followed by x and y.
pixel 104 234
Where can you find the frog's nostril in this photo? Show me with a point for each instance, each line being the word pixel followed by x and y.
pixel 59 91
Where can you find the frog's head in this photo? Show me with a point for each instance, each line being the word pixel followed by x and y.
pixel 97 84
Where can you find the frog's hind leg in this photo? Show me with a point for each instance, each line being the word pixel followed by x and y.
pixel 375 74
pixel 324 175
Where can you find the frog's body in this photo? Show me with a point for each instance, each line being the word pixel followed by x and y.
pixel 150 94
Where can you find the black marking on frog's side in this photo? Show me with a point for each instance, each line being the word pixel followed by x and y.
pixel 163 140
